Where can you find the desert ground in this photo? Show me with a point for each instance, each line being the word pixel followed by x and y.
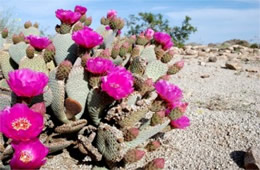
pixel 222 86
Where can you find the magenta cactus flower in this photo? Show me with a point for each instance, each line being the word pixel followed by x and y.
pixel 20 123
pixel 87 38
pixel 28 155
pixel 107 27
pixel 80 9
pixel 181 123
pixel 149 33
pixel 181 106
pixel 26 82
pixel 111 14
pixel 118 32
pixel 118 83
pixel 39 43
pixel 67 16
pixel 168 92
pixel 99 65
pixel 164 39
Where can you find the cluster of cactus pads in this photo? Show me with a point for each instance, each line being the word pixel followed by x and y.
pixel 79 114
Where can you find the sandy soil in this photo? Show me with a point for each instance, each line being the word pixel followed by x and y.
pixel 224 108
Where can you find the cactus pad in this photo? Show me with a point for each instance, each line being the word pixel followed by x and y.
pixel 148 54
pixel 58 91
pixel 156 69
pixel 77 87
pixel 6 63
pixel 4 85
pixel 30 31
pixel 36 63
pixel 4 101
pixel 109 142
pixel 65 48
pixel 97 101
pixel 2 42
pixel 147 133
pixel 18 51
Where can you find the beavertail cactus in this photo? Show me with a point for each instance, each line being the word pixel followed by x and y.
pixel 99 92
pixel 30 51
pixel 27 24
pixel 175 68
pixel 63 70
pixel 5 33
pixel 156 164
pixel 133 155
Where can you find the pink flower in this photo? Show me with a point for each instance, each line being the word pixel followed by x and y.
pixel 111 14
pixel 27 83
pixel 169 92
pixel 20 123
pixel 181 123
pixel 177 105
pixel 82 10
pixel 107 28
pixel 28 155
pixel 39 43
pixel 118 83
pixel 118 32
pixel 87 38
pixel 99 65
pixel 67 16
pixel 164 39
pixel 149 33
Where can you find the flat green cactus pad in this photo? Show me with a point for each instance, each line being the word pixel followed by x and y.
pixel 2 42
pixel 97 101
pixel 37 63
pixel 4 101
pixel 101 30
pixel 30 31
pixel 108 35
pixel 18 51
pixel 4 85
pixel 58 91
pixel 146 134
pixel 77 87
pixel 46 97
pixel 108 142
pixel 65 48
pixel 6 64
pixel 99 168
pixel 109 39
pixel 156 69
pixel 148 53
pixel 134 116
pixel 118 60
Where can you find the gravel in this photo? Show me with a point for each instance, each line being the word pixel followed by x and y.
pixel 225 120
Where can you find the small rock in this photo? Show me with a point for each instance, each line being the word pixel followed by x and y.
pixel 251 70
pixel 201 63
pixel 233 66
pixel 252 159
pixel 191 52
pixel 212 59
pixel 202 54
pixel 204 76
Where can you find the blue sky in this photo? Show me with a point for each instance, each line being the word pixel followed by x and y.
pixel 216 20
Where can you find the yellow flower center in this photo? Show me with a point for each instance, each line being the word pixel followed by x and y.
pixel 21 124
pixel 26 157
